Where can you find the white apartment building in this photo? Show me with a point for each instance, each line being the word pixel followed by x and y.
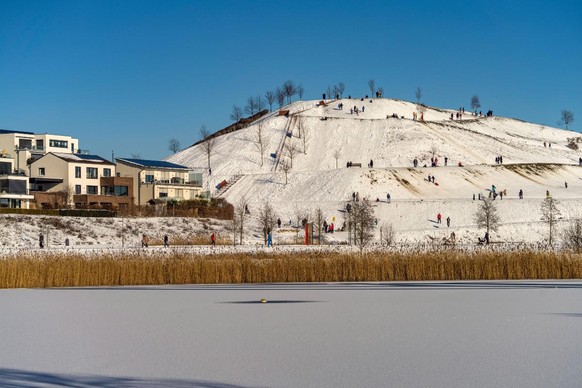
pixel 14 188
pixel 25 146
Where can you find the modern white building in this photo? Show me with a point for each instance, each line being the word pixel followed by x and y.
pixel 160 180
pixel 26 146
pixel 14 188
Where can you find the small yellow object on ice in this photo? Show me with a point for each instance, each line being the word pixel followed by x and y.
pixel 263 300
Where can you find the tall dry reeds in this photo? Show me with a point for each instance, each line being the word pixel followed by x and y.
pixel 182 268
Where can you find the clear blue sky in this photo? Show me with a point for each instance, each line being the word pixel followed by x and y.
pixel 129 75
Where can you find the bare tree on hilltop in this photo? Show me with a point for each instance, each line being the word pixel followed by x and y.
pixel 380 92
pixel 300 91
pixel 236 114
pixel 418 95
pixel 208 144
pixel 567 118
pixel 289 89
pixel 341 88
pixel 270 97
pixel 260 103
pixel 174 145
pixel 329 92
pixel 251 107
pixel 475 103
pixel 372 86
pixel 280 95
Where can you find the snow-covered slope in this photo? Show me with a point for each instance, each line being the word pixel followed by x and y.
pixel 536 159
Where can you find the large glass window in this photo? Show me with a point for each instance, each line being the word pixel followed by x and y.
pixel 107 172
pixel 77 172
pixel 91 173
pixel 40 144
pixel 25 144
pixel 77 189
pixel 58 143
pixel 92 190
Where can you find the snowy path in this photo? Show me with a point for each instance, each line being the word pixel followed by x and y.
pixel 437 334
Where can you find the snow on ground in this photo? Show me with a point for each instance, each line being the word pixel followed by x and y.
pixel 427 334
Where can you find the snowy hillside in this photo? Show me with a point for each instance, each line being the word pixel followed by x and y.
pixel 536 159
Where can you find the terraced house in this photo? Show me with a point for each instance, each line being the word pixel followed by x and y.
pixel 81 180
pixel 157 180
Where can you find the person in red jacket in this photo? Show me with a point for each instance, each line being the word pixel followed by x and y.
pixel 439 218
pixel 212 240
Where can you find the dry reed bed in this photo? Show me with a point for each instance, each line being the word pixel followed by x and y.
pixel 53 270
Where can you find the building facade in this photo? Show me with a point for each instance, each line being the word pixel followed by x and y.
pixel 14 187
pixel 160 180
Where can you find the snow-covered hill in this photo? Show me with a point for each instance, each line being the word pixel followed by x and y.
pixel 536 159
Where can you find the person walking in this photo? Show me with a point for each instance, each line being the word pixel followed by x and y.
pixel 40 241
pixel 448 222
pixel 269 239
pixel 439 218
pixel 166 241
pixel 144 241
pixel 520 194
pixel 212 239
pixel 388 199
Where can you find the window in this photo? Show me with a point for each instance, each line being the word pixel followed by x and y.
pixel 92 189
pixel 58 143
pixel 107 172
pixel 40 144
pixel 41 171
pixel 77 189
pixel 77 172
pixel 149 178
pixel 25 144
pixel 91 173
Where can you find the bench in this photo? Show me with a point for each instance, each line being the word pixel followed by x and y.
pixel 355 165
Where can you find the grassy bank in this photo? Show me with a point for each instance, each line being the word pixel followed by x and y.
pixel 73 271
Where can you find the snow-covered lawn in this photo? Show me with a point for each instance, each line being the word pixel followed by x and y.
pixel 428 334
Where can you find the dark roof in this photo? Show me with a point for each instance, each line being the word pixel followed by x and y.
pixel 152 163
pixel 79 158
pixel 13 131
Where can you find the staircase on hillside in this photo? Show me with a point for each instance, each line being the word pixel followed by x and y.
pixel 229 183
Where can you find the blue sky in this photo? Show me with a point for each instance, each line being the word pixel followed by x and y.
pixel 126 76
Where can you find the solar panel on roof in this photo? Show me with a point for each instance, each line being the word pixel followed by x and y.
pixel 154 163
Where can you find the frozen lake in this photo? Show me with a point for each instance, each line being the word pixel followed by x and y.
pixel 422 334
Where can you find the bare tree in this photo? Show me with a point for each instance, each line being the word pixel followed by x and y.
pixel 301 216
pixel 336 155
pixel 372 86
pixel 475 104
pixel 260 140
pixel 550 215
pixel 68 196
pixel 270 97
pixel 318 221
pixel 487 216
pixel 380 92
pixel 300 91
pixel 259 103
pixel 289 89
pixel 286 167
pixel 335 91
pixel 292 151
pixel 573 235
pixel 362 220
pixel 303 132
pixel 267 219
pixel 567 118
pixel 241 214
pixel 329 92
pixel 280 95
pixel 341 88
pixel 236 114
pixel 174 145
pixel 387 234
pixel 251 107
pixel 208 144
pixel 418 94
